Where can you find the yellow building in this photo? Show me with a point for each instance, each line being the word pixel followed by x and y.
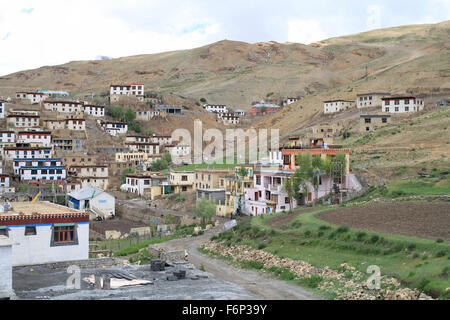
pixel 182 181
pixel 235 185
pixel 210 178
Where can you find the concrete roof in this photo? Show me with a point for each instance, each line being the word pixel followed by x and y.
pixel 86 192
pixel 40 207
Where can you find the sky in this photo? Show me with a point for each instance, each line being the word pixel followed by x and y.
pixel 51 32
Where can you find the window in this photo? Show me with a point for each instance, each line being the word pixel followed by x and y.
pixel 406 108
pixel 397 102
pixel 396 109
pixel 63 234
pixel 3 231
pixel 184 178
pixel 367 129
pixel 30 231
pixel 384 120
pixel 387 102
pixel 367 120
pixel 258 180
pixel 387 109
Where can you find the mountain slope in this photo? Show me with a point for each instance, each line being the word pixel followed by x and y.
pixel 238 73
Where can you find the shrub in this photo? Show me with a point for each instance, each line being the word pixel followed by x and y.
pixel 262 246
pixel 374 239
pixel 251 264
pixel 343 229
pixel 324 228
pixel 423 284
pixel 287 275
pixel 415 255
pixel 307 233
pixel 312 282
pixel 439 240
pixel 440 253
pixel 360 236
pixel 425 257
pixel 411 246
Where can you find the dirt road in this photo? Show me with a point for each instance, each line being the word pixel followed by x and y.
pixel 255 282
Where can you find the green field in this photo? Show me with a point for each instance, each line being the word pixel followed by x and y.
pixel 416 262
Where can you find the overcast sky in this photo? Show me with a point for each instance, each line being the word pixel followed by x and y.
pixel 50 32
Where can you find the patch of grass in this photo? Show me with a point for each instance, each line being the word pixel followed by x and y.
pixel 251 264
pixel 312 282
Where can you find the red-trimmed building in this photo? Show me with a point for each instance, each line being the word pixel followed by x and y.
pixel 44 232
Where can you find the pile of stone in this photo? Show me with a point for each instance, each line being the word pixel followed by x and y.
pixel 334 280
pixel 157 265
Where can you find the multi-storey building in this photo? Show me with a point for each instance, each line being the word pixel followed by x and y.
pixel 94 175
pixel 161 140
pixel 23 120
pixel 181 181
pixel 146 147
pixel 369 122
pixel 216 108
pixel 11 153
pixel 402 104
pixel 64 106
pixel 228 118
pixel 371 99
pixel 332 106
pixel 209 178
pixel 35 138
pixel 32 97
pixel 264 108
pixel 114 128
pixel 146 115
pixel 95 111
pixel 117 91
pixel 2 109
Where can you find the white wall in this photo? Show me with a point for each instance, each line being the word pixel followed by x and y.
pixel 35 249
pixel 5 268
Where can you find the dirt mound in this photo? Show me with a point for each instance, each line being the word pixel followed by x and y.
pixel 420 219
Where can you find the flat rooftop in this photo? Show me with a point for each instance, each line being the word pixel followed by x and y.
pixel 39 207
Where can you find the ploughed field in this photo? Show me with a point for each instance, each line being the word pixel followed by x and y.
pixel 420 219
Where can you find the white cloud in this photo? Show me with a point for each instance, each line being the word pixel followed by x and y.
pixel 305 31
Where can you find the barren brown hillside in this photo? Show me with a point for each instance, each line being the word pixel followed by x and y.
pixel 237 73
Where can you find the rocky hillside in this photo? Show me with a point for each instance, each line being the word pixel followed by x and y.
pixel 237 73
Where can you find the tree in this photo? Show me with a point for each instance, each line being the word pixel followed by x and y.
pixel 149 132
pixel 117 112
pixel 159 165
pixel 135 126
pixel 204 209
pixel 167 157
pixel 263 109
pixel 203 100
pixel 242 172
pixel 124 173
pixel 130 115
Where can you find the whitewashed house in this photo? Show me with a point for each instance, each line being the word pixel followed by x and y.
pixel 23 120
pixel 161 140
pixel 332 106
pixel 63 106
pixel 7 136
pixel 216 108
pixel 114 128
pixel 44 232
pixel 95 111
pixel 118 91
pixel 27 152
pixel 32 97
pixel 99 202
pixel 6 288
pixel 35 138
pixel 19 163
pixel 402 104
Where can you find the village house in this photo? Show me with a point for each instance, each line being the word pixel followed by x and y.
pixel 32 97
pixel 23 120
pixel 97 201
pixel 152 98
pixel 64 141
pixel 11 153
pixel 7 139
pixel 217 195
pixel 371 99
pixel 146 147
pixel 35 138
pixel 44 232
pixel 38 162
pixel 267 194
pixel 235 186
pixel 210 178
pixel 180 153
pixel 289 155
pixel 399 104
pixel 332 106
pixel 276 157
pixel 4 180
pixel 2 109
pixel 54 124
pixel 118 91
pixel 64 106
pixel 78 159
pixel 263 108
pixel 6 287
pixel 42 169
pixel 132 138
pixel 289 101
pixel 95 175
pixel 162 140
pixel 134 158
pixel 443 103
pixel 216 108
pixel 114 128
pixel 168 109
pixel 144 184
pixel 75 124
pixel 370 122
pixel 181 181
pixel 327 130
pixel 239 112
pixel 228 118
pixel 146 115
pixel 95 111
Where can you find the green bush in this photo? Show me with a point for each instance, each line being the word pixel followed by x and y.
pixel 439 240
pixel 343 229
pixel 262 246
pixel 360 236
pixel 312 282
pixel 374 239
pixel 251 264
pixel 440 253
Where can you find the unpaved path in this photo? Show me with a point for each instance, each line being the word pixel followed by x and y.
pixel 255 282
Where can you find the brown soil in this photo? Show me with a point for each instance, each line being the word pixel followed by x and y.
pixel 283 222
pixel 122 225
pixel 421 219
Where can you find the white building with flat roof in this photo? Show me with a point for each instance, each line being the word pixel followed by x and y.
pixel 98 201
pixel 402 104
pixel 2 109
pixel 44 232
pixel 332 106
